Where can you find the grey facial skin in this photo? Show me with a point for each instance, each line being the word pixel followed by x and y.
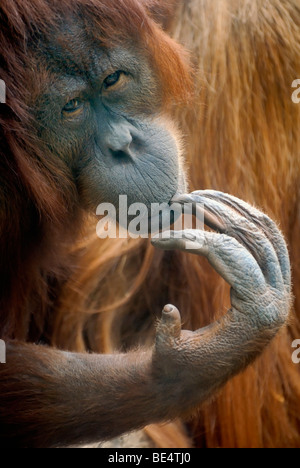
pixel 140 161
pixel 117 142
pixel 111 140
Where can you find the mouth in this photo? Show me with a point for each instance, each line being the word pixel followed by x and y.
pixel 162 217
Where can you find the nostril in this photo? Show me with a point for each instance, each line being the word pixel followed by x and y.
pixel 121 154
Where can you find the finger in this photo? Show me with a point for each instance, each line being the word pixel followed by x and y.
pixel 169 327
pixel 227 256
pixel 269 227
pixel 199 211
pixel 248 234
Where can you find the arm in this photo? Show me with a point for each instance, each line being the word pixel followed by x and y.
pixel 49 397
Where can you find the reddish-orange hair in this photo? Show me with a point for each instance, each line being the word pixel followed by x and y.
pixel 41 215
pixel 242 137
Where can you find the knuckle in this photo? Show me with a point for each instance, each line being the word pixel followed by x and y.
pixel 276 311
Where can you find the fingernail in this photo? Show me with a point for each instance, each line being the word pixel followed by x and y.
pixel 182 199
pixel 168 309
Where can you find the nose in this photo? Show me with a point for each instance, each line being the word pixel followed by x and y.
pixel 118 139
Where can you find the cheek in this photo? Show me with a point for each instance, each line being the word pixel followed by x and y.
pixel 67 142
pixel 152 175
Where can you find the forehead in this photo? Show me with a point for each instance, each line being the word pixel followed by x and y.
pixel 75 51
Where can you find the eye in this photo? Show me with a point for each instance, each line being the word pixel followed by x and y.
pixel 73 108
pixel 114 79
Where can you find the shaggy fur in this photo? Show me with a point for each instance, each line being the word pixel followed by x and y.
pixel 242 137
pixel 40 213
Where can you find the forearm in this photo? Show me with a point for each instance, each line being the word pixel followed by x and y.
pixel 48 397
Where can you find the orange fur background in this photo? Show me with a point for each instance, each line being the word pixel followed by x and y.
pixel 242 136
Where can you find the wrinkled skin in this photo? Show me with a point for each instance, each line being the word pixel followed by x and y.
pixel 102 114
pixel 109 135
pixel 110 395
pixel 251 255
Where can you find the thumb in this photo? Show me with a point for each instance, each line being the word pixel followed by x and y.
pixel 169 327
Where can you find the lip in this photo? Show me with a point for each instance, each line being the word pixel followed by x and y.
pixel 163 215
pixel 163 219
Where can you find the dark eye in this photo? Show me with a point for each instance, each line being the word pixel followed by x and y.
pixel 113 79
pixel 75 105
